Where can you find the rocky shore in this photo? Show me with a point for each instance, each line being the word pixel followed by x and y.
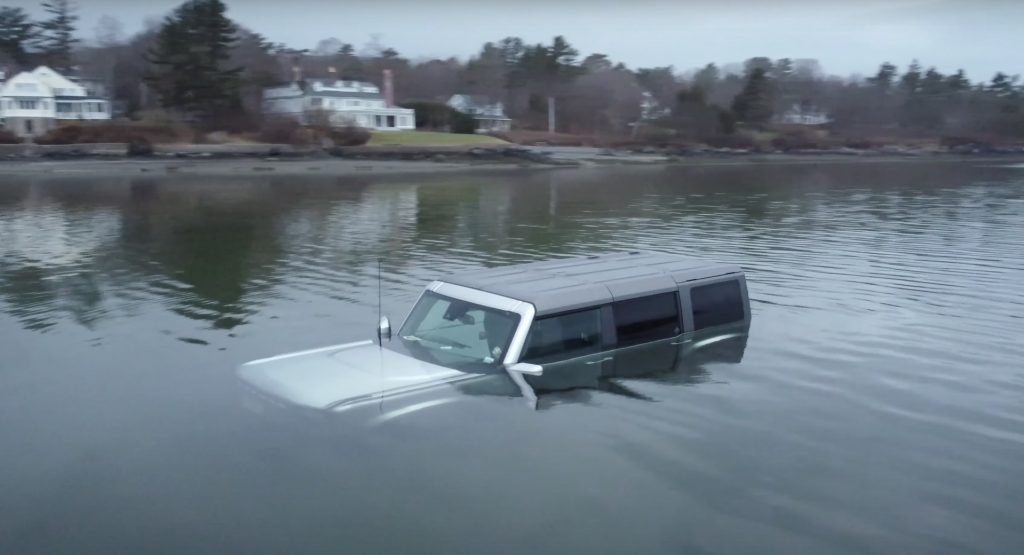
pixel 172 155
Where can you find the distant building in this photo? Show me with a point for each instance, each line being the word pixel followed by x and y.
pixel 34 102
pixel 803 114
pixel 651 109
pixel 342 102
pixel 488 117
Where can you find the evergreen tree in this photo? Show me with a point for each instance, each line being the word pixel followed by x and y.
pixel 958 82
pixel 660 82
pixel 693 116
pixel 57 37
pixel 595 63
pixel 707 78
pixel 758 63
pixel 190 62
pixel 1003 86
pixel 883 80
pixel 16 33
pixel 911 80
pixel 754 104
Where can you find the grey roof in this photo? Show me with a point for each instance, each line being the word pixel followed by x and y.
pixel 331 94
pixel 341 94
pixel 87 97
pixel 572 283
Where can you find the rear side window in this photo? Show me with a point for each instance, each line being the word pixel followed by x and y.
pixel 716 304
pixel 563 337
pixel 646 319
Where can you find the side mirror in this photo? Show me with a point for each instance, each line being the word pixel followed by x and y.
pixel 384 329
pixel 525 368
pixel 516 371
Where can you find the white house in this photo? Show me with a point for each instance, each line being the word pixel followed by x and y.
pixel 650 108
pixel 34 102
pixel 487 116
pixel 803 114
pixel 343 102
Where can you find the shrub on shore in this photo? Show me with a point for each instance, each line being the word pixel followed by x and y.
pixel 799 138
pixel 278 130
pixel 348 136
pixel 110 133
pixel 438 116
pixel 9 138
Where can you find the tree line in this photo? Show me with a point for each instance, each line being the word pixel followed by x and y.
pixel 49 41
pixel 202 66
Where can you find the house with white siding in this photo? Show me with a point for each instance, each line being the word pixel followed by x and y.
pixel 342 102
pixel 34 102
pixel 488 117
pixel 803 114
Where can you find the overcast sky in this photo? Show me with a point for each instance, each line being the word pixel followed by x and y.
pixel 848 37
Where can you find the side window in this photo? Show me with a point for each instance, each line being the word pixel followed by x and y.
pixel 563 337
pixel 716 304
pixel 647 319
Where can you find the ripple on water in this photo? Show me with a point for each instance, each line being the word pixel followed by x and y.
pixel 879 405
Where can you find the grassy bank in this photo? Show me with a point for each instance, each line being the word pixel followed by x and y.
pixel 430 138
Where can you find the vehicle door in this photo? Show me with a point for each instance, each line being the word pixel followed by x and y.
pixel 571 348
pixel 648 333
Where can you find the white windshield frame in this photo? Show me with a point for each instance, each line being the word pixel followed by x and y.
pixel 525 311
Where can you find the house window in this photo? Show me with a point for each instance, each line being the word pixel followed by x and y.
pixel 563 337
pixel 391 121
pixel 29 127
pixel 63 107
pixel 316 102
pixel 378 121
pixel 646 319
pixel 353 102
pixel 716 304
pixel 27 104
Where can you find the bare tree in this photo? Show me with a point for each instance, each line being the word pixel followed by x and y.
pixel 109 32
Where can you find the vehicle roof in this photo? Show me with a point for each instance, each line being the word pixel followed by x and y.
pixel 572 283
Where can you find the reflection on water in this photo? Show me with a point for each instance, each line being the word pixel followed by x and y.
pixel 876 406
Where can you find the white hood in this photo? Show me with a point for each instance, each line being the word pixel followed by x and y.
pixel 330 376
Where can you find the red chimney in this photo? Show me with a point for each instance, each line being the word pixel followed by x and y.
pixel 389 88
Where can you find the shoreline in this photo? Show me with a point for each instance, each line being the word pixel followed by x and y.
pixel 384 164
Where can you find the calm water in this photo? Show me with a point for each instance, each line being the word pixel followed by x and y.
pixel 878 407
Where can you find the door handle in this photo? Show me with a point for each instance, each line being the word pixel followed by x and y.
pixel 605 359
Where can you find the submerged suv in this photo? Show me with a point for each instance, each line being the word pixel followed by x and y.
pixel 540 326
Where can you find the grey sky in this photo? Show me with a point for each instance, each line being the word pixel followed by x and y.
pixel 853 37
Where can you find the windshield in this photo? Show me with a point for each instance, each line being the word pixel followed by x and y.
pixel 456 333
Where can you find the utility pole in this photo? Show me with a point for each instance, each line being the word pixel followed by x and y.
pixel 551 114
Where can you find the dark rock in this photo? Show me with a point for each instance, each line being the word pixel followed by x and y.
pixel 140 147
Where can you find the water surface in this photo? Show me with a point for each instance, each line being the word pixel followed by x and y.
pixel 878 407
